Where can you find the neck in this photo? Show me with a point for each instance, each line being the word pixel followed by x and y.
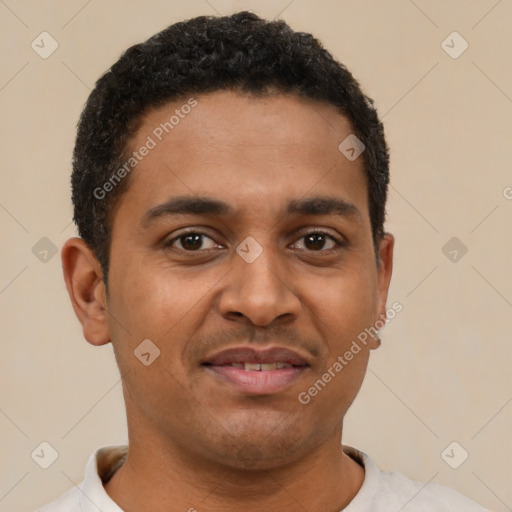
pixel 159 477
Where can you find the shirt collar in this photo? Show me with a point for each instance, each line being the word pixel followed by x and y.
pixel 101 466
pixel 364 499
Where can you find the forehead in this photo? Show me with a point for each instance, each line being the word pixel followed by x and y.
pixel 244 150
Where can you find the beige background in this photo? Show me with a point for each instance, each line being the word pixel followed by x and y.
pixel 443 371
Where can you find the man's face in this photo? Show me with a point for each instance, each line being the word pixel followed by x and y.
pixel 177 279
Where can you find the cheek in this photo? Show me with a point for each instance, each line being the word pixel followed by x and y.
pixel 343 305
pixel 157 302
pixel 146 297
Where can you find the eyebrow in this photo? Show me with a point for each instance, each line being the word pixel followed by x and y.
pixel 198 205
pixel 323 206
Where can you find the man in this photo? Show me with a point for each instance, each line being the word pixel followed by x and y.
pixel 229 184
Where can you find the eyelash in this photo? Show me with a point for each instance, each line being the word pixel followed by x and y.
pixel 338 243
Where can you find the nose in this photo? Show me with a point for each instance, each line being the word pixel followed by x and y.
pixel 259 293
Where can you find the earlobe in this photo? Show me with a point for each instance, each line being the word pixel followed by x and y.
pixel 84 282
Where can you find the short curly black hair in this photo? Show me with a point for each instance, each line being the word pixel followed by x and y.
pixel 241 52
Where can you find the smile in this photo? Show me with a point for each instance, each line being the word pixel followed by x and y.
pixel 256 371
pixel 263 367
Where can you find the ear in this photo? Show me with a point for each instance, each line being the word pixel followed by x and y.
pixel 384 271
pixel 84 282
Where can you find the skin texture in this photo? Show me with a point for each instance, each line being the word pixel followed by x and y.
pixel 195 441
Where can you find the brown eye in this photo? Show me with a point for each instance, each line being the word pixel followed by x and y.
pixel 319 241
pixel 314 241
pixel 191 241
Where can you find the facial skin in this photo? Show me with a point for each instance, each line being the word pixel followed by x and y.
pixel 195 439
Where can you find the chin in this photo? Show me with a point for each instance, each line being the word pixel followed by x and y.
pixel 260 447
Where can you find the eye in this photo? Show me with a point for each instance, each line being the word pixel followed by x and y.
pixel 320 241
pixel 191 241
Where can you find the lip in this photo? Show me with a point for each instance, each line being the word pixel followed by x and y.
pixel 252 355
pixel 256 382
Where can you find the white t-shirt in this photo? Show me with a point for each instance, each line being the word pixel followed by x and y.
pixel 380 492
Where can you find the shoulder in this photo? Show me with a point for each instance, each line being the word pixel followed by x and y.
pixel 67 502
pixel 400 491
pixel 90 494
pixel 385 491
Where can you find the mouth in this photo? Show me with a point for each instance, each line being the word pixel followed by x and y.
pixel 257 372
